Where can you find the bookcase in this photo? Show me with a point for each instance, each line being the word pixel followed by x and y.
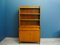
pixel 29 24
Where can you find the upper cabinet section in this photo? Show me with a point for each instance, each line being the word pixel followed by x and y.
pixel 34 10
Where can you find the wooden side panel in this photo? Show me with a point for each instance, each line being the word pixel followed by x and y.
pixel 29 36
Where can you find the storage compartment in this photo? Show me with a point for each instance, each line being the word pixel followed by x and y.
pixel 29 23
pixel 29 36
pixel 29 11
pixel 29 17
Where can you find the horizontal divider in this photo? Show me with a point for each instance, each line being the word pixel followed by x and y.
pixel 30 8
pixel 29 30
pixel 30 13
pixel 29 26
pixel 30 19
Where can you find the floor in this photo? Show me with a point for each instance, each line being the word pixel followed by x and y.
pixel 44 41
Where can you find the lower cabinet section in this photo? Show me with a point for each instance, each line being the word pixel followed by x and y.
pixel 29 36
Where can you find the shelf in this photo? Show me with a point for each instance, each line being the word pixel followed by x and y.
pixel 30 19
pixel 30 26
pixel 33 29
pixel 31 13
pixel 29 23
pixel 30 8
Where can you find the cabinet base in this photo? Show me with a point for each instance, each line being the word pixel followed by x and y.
pixel 28 42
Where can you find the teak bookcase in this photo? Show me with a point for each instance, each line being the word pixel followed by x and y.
pixel 29 24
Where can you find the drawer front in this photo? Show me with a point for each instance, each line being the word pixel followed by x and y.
pixel 29 36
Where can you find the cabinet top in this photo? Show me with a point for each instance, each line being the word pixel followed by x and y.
pixel 29 7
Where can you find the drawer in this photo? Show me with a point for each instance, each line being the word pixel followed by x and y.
pixel 29 36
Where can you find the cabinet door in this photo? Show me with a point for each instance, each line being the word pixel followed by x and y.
pixel 29 36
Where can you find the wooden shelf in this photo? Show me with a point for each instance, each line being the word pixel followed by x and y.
pixel 29 13
pixel 24 22
pixel 29 28
pixel 30 19
pixel 30 8
pixel 29 24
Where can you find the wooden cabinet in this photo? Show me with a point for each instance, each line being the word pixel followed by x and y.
pixel 29 24
pixel 29 36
